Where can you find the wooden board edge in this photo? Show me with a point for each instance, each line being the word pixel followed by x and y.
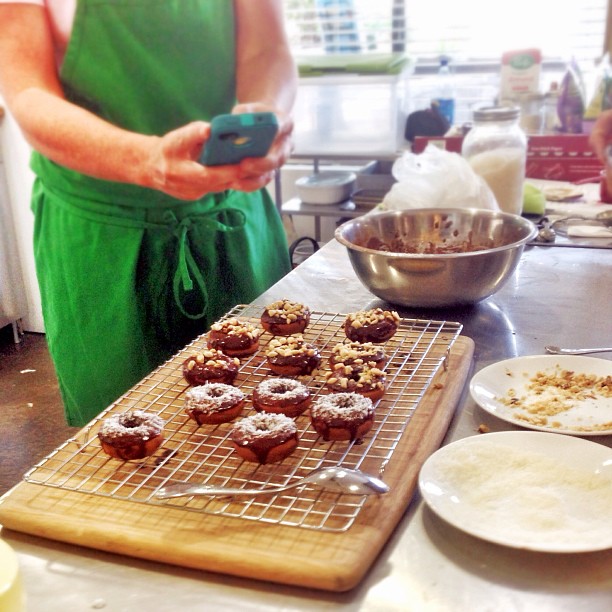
pixel 312 572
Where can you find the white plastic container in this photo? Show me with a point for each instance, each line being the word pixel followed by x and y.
pixel 326 188
pixel 350 114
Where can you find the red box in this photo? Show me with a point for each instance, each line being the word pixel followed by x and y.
pixel 556 157
pixel 449 143
pixel 562 157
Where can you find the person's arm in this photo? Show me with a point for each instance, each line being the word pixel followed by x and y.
pixel 601 139
pixel 266 78
pixel 78 139
pixel 601 135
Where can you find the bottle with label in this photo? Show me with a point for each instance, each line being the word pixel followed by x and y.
pixel 551 116
pixel 444 96
pixel 496 148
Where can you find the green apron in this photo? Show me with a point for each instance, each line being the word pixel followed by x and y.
pixel 128 275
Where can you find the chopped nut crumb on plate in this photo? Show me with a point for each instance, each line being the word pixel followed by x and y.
pixel 555 393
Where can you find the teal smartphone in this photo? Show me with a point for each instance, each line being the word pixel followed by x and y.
pixel 234 137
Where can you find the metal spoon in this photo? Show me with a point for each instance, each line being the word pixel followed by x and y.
pixel 546 233
pixel 338 478
pixel 555 350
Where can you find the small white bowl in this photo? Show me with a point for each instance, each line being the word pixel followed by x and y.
pixel 326 188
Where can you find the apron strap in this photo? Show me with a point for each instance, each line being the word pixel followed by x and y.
pixel 187 269
pixel 187 266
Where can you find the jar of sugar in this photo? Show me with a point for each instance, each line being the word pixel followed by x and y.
pixel 496 149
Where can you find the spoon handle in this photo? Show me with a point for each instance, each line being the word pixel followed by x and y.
pixel 182 489
pixel 565 351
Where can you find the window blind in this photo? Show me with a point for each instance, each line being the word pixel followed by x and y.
pixel 469 31
pixel 318 27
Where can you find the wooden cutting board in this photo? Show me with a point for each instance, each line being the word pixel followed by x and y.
pixel 331 561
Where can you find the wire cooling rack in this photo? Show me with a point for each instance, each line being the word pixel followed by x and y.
pixel 205 455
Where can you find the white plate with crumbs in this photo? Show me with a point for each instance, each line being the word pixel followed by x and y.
pixel 524 489
pixel 555 393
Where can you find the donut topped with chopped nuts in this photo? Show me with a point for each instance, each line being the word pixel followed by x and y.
pixel 376 325
pixel 283 318
pixel 366 380
pixel 357 353
pixel 292 356
pixel 234 337
pixel 210 365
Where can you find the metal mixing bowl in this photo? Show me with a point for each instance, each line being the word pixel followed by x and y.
pixel 426 279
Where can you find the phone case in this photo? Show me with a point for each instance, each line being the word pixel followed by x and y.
pixel 234 137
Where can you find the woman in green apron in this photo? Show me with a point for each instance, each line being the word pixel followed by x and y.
pixel 139 247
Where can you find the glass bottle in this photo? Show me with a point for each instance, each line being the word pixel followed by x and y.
pixel 496 148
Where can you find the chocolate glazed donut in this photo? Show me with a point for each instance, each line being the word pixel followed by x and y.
pixel 375 325
pixel 264 437
pixel 342 416
pixel 213 403
pixel 131 435
pixel 357 353
pixel 234 337
pixel 282 395
pixel 283 318
pixel 210 365
pixel 292 356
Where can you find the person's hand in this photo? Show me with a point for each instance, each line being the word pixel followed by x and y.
pixel 257 172
pixel 601 140
pixel 601 136
pixel 174 168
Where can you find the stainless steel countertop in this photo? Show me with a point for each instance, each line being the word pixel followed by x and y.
pixel 557 296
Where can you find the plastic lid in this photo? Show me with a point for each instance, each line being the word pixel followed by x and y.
pixel 497 113
pixel 353 63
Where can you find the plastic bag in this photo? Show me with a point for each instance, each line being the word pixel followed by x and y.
pixel 437 179
pixel 570 106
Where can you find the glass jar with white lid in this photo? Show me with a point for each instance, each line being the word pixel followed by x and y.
pixel 496 149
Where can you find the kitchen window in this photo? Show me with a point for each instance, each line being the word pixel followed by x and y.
pixel 468 31
pixel 473 33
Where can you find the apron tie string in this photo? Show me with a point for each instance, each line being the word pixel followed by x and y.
pixel 187 269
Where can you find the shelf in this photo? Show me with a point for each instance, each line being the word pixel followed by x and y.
pixel 296 207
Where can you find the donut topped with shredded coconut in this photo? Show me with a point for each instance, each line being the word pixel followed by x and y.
pixel 212 397
pixel 341 407
pixel 277 427
pixel 131 426
pixel 282 389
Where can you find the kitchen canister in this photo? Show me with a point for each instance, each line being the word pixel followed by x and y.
pixel 496 148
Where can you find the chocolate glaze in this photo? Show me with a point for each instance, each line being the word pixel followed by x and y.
pixel 237 344
pixel 284 395
pixel 262 447
pixel 374 332
pixel 298 364
pixel 356 382
pixel 201 373
pixel 261 434
pixel 323 427
pixel 280 326
pixel 346 412
pixel 132 448
pixel 364 354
